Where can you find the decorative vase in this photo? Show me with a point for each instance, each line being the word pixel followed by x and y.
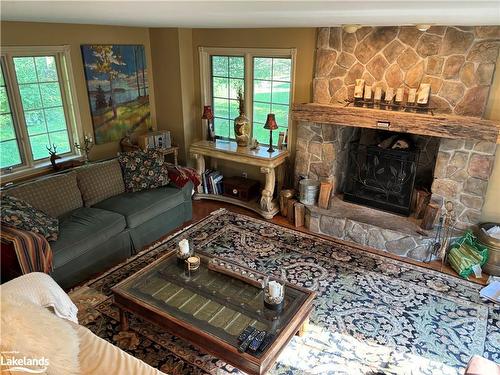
pixel 242 124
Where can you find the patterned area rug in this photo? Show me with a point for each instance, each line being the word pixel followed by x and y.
pixel 372 315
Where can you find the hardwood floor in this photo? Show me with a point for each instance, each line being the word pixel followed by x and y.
pixel 203 208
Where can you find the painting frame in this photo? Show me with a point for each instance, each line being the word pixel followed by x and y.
pixel 116 78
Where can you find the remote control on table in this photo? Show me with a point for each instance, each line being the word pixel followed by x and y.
pixel 245 333
pixel 254 345
pixel 265 343
pixel 244 345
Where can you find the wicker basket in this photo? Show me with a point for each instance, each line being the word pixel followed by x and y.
pixel 492 267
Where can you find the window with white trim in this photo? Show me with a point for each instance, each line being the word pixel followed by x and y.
pixel 265 77
pixel 37 110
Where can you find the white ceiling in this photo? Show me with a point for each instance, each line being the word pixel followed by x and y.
pixel 240 13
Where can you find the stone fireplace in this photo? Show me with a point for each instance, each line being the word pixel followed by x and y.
pixel 459 63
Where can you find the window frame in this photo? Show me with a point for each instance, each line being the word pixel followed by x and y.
pixel 67 87
pixel 205 54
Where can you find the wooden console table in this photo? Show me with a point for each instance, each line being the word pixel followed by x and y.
pixel 268 163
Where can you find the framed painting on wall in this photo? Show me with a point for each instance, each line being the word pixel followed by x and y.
pixel 117 84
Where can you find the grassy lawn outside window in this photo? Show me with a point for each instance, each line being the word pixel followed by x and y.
pixel 264 76
pixel 37 110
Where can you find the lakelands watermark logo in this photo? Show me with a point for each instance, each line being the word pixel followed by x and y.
pixel 11 361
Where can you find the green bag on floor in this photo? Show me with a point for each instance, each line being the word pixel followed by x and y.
pixel 465 253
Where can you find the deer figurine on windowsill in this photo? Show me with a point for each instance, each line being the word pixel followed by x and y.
pixel 72 163
pixel 53 156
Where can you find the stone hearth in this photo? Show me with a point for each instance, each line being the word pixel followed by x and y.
pixel 370 227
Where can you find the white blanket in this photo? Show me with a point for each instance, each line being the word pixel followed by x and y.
pixel 42 290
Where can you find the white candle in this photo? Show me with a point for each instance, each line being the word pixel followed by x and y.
pixel 184 247
pixel 274 289
pixel 368 92
pixel 412 94
pixel 399 95
pixel 389 94
pixel 358 89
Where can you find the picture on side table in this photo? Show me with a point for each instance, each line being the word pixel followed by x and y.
pixel 117 84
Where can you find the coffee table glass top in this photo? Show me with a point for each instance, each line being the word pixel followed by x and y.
pixel 210 301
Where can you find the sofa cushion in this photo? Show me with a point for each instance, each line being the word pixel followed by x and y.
pixel 82 230
pixel 54 195
pixel 144 205
pixel 100 181
pixel 19 214
pixel 143 170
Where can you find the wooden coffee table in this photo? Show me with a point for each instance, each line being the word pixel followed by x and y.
pixel 211 308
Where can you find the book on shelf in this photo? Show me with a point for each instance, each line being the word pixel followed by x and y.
pixel 212 182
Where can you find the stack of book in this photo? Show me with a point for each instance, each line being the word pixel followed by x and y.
pixel 212 182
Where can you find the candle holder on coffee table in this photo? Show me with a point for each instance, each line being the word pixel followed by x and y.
pixel 184 250
pixel 274 293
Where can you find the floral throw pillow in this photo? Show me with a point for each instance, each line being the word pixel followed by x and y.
pixel 143 170
pixel 19 214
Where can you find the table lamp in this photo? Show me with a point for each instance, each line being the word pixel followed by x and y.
pixel 208 115
pixel 270 125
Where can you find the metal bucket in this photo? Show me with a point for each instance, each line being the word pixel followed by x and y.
pixel 492 267
pixel 308 189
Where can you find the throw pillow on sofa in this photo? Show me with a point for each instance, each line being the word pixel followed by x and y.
pixel 19 214
pixel 56 195
pixel 99 181
pixel 143 170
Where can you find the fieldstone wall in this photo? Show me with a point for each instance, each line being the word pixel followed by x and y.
pixel 461 175
pixel 321 151
pixel 458 62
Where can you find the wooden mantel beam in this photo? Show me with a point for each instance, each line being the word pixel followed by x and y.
pixel 438 125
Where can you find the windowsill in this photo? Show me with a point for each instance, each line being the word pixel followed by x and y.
pixel 38 170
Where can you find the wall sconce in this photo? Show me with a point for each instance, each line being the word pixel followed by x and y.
pixel 423 27
pixel 350 29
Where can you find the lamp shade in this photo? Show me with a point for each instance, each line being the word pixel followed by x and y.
pixel 207 113
pixel 271 122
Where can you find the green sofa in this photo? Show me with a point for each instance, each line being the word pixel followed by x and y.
pixel 100 224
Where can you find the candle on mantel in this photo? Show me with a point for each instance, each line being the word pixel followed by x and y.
pixel 423 93
pixel 412 95
pixel 377 96
pixel 358 89
pixel 399 95
pixel 389 94
pixel 368 92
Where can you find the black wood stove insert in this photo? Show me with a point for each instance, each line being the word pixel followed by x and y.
pixel 381 177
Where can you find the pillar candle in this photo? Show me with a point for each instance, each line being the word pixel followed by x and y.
pixel 399 95
pixel 368 92
pixel 274 289
pixel 389 94
pixel 412 94
pixel 358 89
pixel 184 247
pixel 423 93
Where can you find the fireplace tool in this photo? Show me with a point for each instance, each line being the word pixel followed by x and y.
pixel 434 247
pixel 449 219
